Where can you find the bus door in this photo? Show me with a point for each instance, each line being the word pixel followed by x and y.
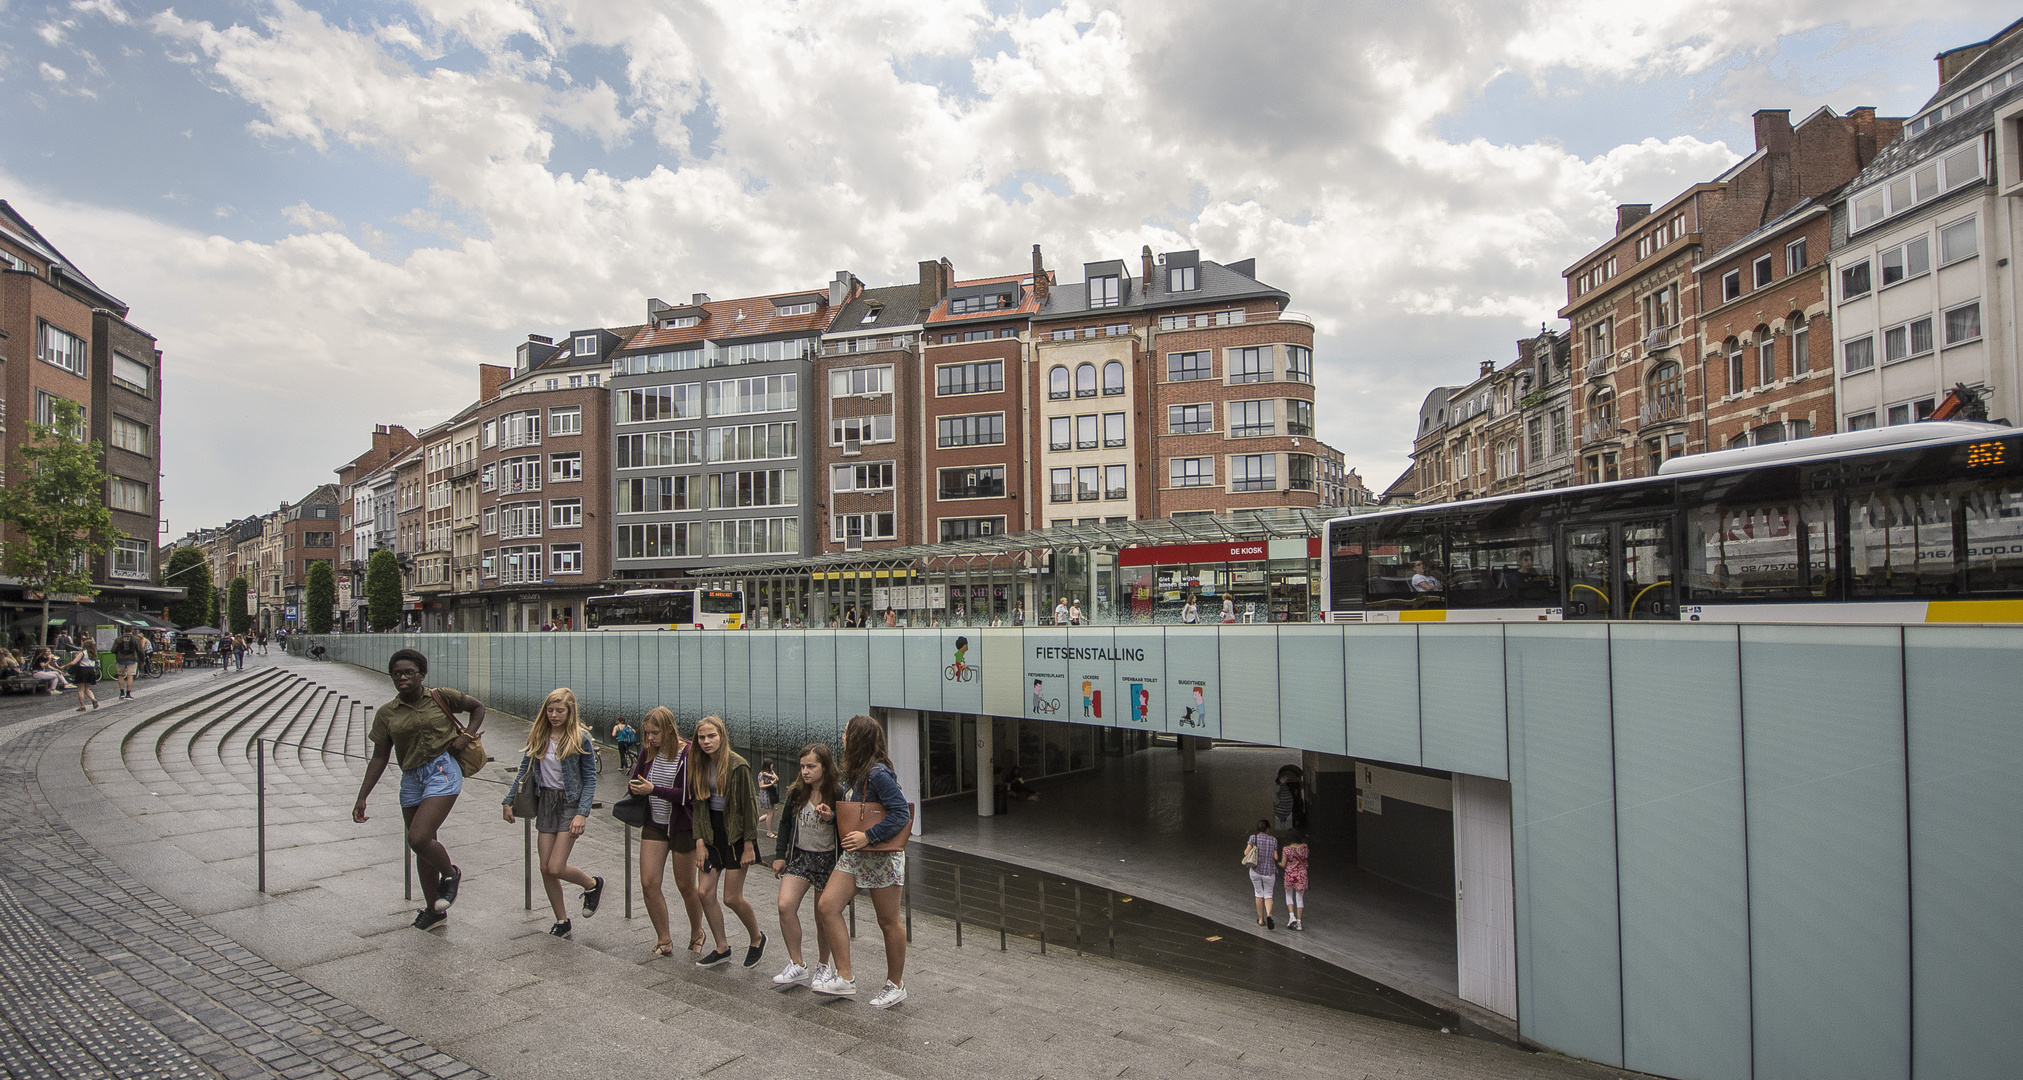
pixel 1620 570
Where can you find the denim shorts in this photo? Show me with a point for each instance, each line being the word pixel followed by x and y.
pixel 441 776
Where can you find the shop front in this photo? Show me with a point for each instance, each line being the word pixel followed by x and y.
pixel 1250 581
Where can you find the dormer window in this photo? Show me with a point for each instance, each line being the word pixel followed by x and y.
pixel 1105 292
pixel 970 305
pixel 871 316
pixel 681 322
pixel 795 309
pixel 586 344
pixel 1181 279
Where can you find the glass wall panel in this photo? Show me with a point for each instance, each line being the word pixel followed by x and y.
pixel 1312 695
pixel 1249 665
pixel 1461 698
pixel 1381 669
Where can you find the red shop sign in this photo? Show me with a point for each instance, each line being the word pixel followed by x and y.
pixel 1182 554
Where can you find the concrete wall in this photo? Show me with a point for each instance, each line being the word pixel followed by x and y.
pixel 1737 851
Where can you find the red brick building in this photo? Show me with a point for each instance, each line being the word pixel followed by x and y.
pixel 975 385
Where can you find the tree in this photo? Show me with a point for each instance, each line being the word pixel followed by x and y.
pixel 55 501
pixel 320 596
pixel 382 590
pixel 235 607
pixel 190 571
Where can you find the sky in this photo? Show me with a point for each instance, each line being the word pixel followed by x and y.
pixel 329 213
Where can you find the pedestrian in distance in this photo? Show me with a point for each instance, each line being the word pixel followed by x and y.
pixel 239 651
pixel 1018 613
pixel 420 724
pixel 127 654
pixel 1289 804
pixel 726 814
pixel 626 738
pixel 1260 859
pixel 1075 613
pixel 1228 609
pixel 1190 612
pixel 867 776
pixel 769 797
pixel 668 835
pixel 1061 611
pixel 805 856
pixel 1292 858
pixel 83 670
pixel 560 760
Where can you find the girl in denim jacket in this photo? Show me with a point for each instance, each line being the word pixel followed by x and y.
pixel 869 777
pixel 562 762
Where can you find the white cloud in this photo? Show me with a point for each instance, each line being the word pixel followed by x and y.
pixel 1308 141
pixel 52 73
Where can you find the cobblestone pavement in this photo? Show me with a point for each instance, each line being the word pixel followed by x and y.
pixel 138 944
pixel 102 977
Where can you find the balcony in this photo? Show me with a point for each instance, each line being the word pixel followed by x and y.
pixel 1594 431
pixel 1296 316
pixel 1062 493
pixel 463 471
pixel 510 439
pixel 1661 338
pixel 1663 410
pixel 855 346
pixel 1598 366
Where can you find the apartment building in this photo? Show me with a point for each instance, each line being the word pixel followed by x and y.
pixel 1924 299
pixel 63 336
pixel 1766 338
pixel 1505 432
pixel 355 539
pixel 868 489
pixel 309 534
pixel 978 403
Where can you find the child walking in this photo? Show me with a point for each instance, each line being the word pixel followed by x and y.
pixel 805 856
pixel 561 762
pixel 869 777
pixel 1292 858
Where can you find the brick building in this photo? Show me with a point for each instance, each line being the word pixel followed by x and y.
pixel 355 539
pixel 867 383
pixel 308 535
pixel 977 387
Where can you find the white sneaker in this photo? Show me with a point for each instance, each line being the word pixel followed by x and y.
pixel 822 973
pixel 840 987
pixel 892 995
pixel 790 974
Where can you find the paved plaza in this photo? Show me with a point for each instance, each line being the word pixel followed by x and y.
pixel 139 946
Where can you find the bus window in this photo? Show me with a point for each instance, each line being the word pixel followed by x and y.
pixel 1406 564
pixel 1902 543
pixel 1994 521
pixel 1754 551
pixel 1346 567
pixel 1500 560
pixel 717 602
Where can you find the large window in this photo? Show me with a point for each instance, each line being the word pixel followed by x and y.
pixel 644 404
pixel 764 393
pixel 1060 433
pixel 565 468
pixel 520 429
pixel 565 558
pixel 1300 468
pixel 1253 472
pixel 1299 363
pixel 1192 471
pixel 758 487
pixel 1858 355
pixel 1189 419
pixel 755 536
pixel 752 442
pixel 1913 338
pixel 1104 292
pixel 1299 417
pixel 658 449
pixel 1250 365
pixel 1906 261
pixel 1057 383
pixel 860 429
pixel 130 559
pixel 64 349
pixel 763 351
pixel 131 436
pixel 1116 481
pixel 566 420
pixel 521 565
pixel 879 525
pixel 565 513
pixel 1181 279
pixel 519 519
pixel 868 476
pixel 1250 418
pixel 984 377
pixel 1188 367
pixel 982 482
pixel 657 540
pixel 1955 169
pixel 1855 281
pixel 1085 380
pixel 128 495
pixel 971 528
pixel 131 373
pixel 684 359
pixel 986 430
pixel 520 474
pixel 1114 430
pixel 1085 432
pixel 1958 240
pixel 1801 346
pixel 1113 377
pixel 1088 483
pixel 653 494
pixel 1963 323
pixel 1061 483
pixel 845 382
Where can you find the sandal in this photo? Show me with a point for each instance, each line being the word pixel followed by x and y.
pixel 696 942
pixel 665 948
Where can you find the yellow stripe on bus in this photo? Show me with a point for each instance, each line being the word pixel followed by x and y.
pixel 1428 615
pixel 1974 611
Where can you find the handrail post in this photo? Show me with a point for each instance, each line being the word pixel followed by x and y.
pixel 527 861
pixel 1000 911
pixel 1078 918
pixel 853 917
pixel 958 907
pixel 1043 916
pixel 906 895
pixel 627 830
pixel 1111 899
pixel 260 801
pixel 407 864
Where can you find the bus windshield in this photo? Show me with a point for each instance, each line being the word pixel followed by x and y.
pixel 719 602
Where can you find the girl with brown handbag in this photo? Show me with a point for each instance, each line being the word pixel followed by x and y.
pixel 873 820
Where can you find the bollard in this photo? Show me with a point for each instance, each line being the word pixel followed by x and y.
pixel 906 894
pixel 958 907
pixel 527 861
pixel 407 864
pixel 1111 898
pixel 853 917
pixel 260 801
pixel 627 830
pixel 1043 918
pixel 1000 911
pixel 1078 919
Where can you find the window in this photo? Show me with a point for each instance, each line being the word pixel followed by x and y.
pixel 1300 469
pixel 860 429
pixel 1189 419
pixel 1534 438
pixel 755 536
pixel 1759 275
pixel 563 468
pixel 644 404
pixel 1064 335
pixel 1299 417
pixel 1088 483
pixel 986 430
pixel 130 559
pixel 752 442
pixel 1731 286
pixel 1559 435
pixel 846 382
pixel 1104 292
pixel 1113 377
pixel 128 495
pixel 985 482
pixel 867 477
pixel 1794 256
pixel 1766 357
pixel 491 521
pixel 763 351
pixel 1062 485
pixel 131 373
pixel 876 526
pixel 1187 367
pixel 1113 429
pixel 1955 170
pixel 1801 341
pixel 1180 279
pixel 658 540
pixel 319 540
pixel 1854 280
pixel 686 358
pixel 1250 365
pixel 566 421
pixel 1192 471
pixel 65 350
pixel 971 528
pixel 1085 380
pixel 1857 355
pixel 986 377
pixel 1116 481
pixel 1250 418
pixel 1057 383
pixel 131 436
pixel 1910 412
pixel 657 449
pixel 1601 411
pixel 760 487
pixel 1253 472
pixel 1299 363
pixel 652 494
pixel 1958 241
pixel 565 513
pixel 491 435
pixel 1223 318
pixel 586 345
pixel 1914 338
pixel 1907 261
pixel 1963 323
pixel 520 474
pixel 1085 432
pixel 1060 433
pixel 519 519
pixel 803 308
pixel 763 393
pixel 565 558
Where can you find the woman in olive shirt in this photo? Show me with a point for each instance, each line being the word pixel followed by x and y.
pixel 430 779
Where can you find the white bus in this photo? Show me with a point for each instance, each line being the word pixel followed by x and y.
pixel 667 609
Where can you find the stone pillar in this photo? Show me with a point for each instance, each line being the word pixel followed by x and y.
pixel 986 777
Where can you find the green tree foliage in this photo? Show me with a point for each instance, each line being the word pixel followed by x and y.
pixel 55 502
pixel 320 596
pixel 190 571
pixel 382 590
pixel 235 606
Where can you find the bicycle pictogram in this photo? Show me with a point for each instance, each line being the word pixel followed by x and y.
pixel 961 672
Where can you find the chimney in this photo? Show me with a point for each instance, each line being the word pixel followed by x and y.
pixel 1866 142
pixel 1953 61
pixel 654 306
pixel 542 340
pixel 1773 130
pixel 699 299
pixel 947 275
pixel 1145 258
pixel 932 288
pixel 1628 214
pixel 839 289
pixel 1489 367
pixel 490 378
pixel 1040 284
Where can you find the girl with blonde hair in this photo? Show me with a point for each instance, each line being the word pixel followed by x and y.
pixel 561 761
pixel 726 834
pixel 661 774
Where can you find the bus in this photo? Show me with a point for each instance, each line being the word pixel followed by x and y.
pixel 667 609
pixel 1914 523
